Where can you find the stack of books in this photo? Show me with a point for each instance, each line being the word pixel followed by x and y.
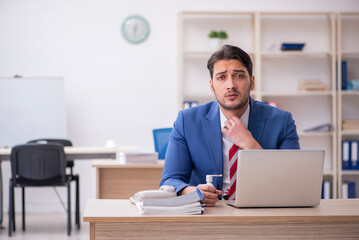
pixel 138 157
pixel 187 204
pixel 311 85
pixel 350 125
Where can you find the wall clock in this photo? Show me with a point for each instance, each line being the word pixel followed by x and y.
pixel 135 29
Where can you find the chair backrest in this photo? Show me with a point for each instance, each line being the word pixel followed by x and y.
pixel 161 137
pixel 38 164
pixel 64 142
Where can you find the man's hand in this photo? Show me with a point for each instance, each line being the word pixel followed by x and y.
pixel 239 134
pixel 209 193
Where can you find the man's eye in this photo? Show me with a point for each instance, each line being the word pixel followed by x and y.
pixel 239 76
pixel 220 78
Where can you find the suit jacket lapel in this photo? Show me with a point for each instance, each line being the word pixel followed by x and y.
pixel 256 121
pixel 213 135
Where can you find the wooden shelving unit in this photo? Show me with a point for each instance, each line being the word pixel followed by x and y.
pixel 329 38
pixel 348 101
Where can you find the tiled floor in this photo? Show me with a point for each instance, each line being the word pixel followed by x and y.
pixel 47 226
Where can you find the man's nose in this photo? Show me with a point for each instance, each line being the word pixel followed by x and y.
pixel 230 83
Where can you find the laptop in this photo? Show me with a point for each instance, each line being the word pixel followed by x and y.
pixel 279 178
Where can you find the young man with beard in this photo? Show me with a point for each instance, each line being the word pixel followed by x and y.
pixel 205 139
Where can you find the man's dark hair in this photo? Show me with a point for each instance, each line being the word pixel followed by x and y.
pixel 228 52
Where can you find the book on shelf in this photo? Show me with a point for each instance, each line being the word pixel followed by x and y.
pixel 187 204
pixel 326 127
pixel 346 154
pixel 344 75
pixel 138 157
pixel 326 189
pixel 350 155
pixel 311 85
pixel 348 190
pixel 292 46
pixel 354 155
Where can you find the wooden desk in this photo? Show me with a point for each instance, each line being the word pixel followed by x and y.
pixel 119 219
pixel 71 153
pixel 115 180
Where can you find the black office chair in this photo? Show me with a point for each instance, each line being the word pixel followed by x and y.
pixel 64 142
pixel 38 165
pixel 69 165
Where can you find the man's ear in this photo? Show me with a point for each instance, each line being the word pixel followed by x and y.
pixel 252 83
pixel 211 84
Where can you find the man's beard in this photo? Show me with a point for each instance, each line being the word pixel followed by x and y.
pixel 239 105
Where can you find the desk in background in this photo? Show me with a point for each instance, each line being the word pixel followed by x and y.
pixel 119 219
pixel 75 153
pixel 115 180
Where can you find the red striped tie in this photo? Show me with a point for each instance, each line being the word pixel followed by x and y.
pixel 232 172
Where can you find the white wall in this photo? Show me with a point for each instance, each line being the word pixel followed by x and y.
pixel 113 89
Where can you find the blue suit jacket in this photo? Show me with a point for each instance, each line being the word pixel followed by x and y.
pixel 195 145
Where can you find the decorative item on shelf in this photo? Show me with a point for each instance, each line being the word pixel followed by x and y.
pixel 189 104
pixel 292 46
pixel 353 85
pixel 216 39
pixel 311 85
pixel 350 125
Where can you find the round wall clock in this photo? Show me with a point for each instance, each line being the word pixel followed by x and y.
pixel 135 29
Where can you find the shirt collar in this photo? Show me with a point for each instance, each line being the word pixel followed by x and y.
pixel 244 118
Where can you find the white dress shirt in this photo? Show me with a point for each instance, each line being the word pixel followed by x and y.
pixel 227 144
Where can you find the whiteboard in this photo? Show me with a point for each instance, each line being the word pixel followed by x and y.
pixel 31 108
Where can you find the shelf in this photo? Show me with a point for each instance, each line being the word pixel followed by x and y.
pixel 197 54
pixel 328 173
pixel 350 54
pixel 298 94
pixel 349 132
pixel 349 172
pixel 216 15
pixel 204 54
pixel 329 36
pixel 349 92
pixel 315 134
pixel 295 54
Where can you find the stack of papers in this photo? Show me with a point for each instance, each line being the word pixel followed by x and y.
pixel 188 204
pixel 311 85
pixel 350 125
pixel 138 157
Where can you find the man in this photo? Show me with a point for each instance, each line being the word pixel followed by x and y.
pixel 205 139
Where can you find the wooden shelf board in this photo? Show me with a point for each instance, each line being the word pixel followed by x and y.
pixel 315 134
pixel 298 93
pixel 349 172
pixel 349 132
pixel 295 54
